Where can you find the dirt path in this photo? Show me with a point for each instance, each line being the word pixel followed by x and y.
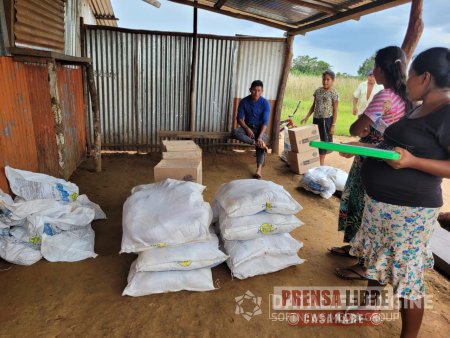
pixel 84 299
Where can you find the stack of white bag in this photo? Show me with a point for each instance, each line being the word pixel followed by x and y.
pixel 168 225
pixel 324 180
pixel 47 219
pixel 255 217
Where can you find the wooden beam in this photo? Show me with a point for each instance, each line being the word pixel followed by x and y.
pixel 194 134
pixel 236 15
pixel 193 96
pixel 280 94
pixel 415 29
pixel 349 15
pixel 219 4
pixel 4 36
pixel 320 8
pixel 49 55
pixel 96 118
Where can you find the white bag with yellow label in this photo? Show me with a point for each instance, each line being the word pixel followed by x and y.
pixel 183 257
pixel 254 226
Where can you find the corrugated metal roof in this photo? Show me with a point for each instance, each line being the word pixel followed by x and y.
pixel 103 12
pixel 294 16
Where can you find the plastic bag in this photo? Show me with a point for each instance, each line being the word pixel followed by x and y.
pixel 147 283
pixel 14 251
pixel 32 186
pixel 248 197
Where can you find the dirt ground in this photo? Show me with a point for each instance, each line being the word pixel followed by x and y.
pixel 84 299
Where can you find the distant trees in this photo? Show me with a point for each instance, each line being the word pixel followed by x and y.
pixel 309 65
pixel 367 65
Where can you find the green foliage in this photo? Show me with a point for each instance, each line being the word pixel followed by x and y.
pixel 309 65
pixel 301 87
pixel 367 65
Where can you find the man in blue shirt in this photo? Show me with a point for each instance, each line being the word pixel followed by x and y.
pixel 253 117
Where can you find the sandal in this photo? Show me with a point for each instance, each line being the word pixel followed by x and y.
pixel 344 274
pixel 257 176
pixel 343 251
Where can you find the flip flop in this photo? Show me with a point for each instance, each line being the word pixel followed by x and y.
pixel 345 248
pixel 257 176
pixel 359 276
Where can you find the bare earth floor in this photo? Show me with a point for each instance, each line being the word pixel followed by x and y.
pixel 84 299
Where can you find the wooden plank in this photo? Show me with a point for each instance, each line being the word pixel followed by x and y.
pixel 440 246
pixel 354 13
pixel 194 134
pixel 317 7
pixel 49 55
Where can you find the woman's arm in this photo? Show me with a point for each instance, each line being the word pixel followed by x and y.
pixel 360 126
pixel 335 113
pixel 433 167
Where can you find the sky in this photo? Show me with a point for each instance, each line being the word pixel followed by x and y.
pixel 344 46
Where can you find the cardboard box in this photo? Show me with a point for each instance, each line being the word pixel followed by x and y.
pixel 300 137
pixel 185 170
pixel 302 162
pixel 176 155
pixel 180 145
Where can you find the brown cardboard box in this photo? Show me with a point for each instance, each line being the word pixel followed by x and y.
pixel 300 137
pixel 185 170
pixel 180 145
pixel 301 162
pixel 190 155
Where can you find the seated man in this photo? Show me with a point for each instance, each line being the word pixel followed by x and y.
pixel 253 117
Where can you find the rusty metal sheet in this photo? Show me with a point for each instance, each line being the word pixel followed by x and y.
pixel 71 93
pixel 17 143
pixel 39 24
pixel 43 118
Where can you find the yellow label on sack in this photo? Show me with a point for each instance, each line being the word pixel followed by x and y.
pixel 35 240
pixel 185 263
pixel 265 228
pixel 161 245
pixel 268 206
pixel 73 196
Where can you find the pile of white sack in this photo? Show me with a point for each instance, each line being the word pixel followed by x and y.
pixel 255 218
pixel 168 225
pixel 324 180
pixel 48 218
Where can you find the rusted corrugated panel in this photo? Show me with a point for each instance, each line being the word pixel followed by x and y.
pixel 43 118
pixel 40 24
pixel 17 143
pixel 70 87
pixel 103 12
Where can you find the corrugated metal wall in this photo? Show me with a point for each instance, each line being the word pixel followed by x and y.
pixel 39 24
pixel 27 123
pixel 143 81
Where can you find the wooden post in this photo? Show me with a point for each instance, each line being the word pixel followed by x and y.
pixel 58 116
pixel 192 106
pixel 96 113
pixel 280 93
pixel 415 29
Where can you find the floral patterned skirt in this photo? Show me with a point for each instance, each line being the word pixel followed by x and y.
pixel 393 240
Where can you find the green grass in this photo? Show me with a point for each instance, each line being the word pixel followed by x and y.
pixel 302 87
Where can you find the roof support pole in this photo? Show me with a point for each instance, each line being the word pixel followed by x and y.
pixel 415 29
pixel 280 94
pixel 192 106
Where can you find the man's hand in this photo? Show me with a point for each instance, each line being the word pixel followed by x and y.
pixel 355 111
pixel 249 132
pixel 406 159
pixel 260 143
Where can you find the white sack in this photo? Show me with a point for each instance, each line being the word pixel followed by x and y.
pixel 69 246
pixel 262 255
pixel 84 201
pixel 254 226
pixel 32 186
pixel 147 283
pixel 167 213
pixel 248 196
pixel 183 257
pixel 16 252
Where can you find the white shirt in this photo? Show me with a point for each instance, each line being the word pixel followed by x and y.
pixel 361 94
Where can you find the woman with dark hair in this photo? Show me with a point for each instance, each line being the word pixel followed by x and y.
pixel 387 107
pixel 401 208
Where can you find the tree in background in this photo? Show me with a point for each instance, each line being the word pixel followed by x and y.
pixel 367 65
pixel 309 65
